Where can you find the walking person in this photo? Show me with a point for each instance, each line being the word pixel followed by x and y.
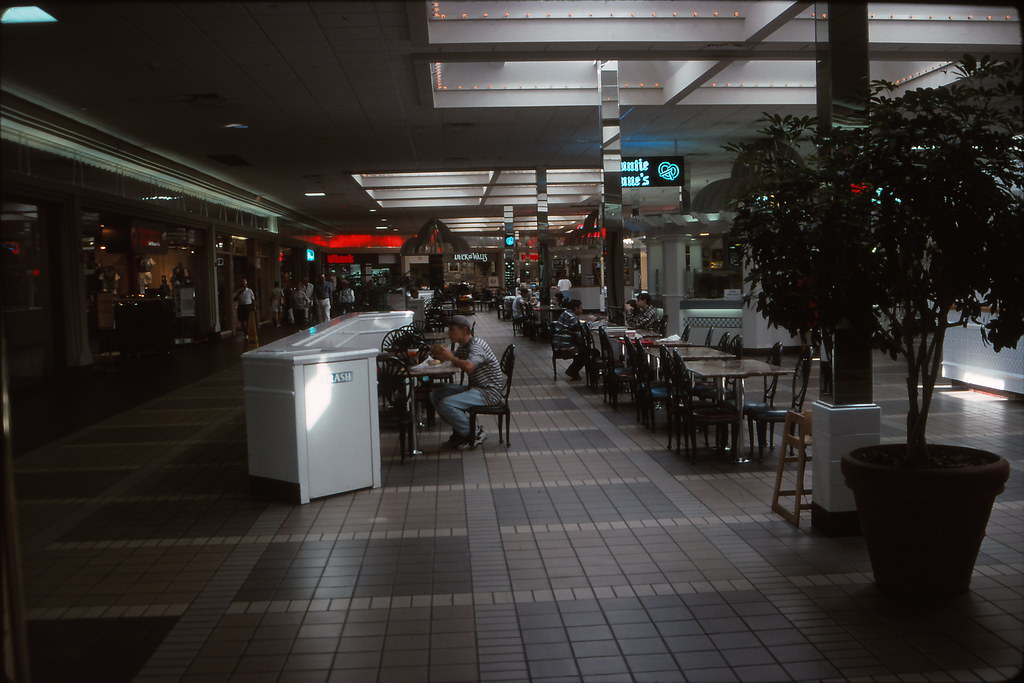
pixel 565 287
pixel 276 303
pixel 244 300
pixel 307 289
pixel 346 297
pixel 300 305
pixel 322 292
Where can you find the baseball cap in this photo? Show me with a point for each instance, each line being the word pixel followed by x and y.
pixel 460 320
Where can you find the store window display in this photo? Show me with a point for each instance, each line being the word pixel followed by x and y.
pixel 145 264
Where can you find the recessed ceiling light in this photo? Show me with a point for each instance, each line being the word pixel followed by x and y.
pixel 372 210
pixel 316 194
pixel 382 227
pixel 25 15
pixel 236 125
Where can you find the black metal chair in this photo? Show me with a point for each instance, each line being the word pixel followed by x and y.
pixel 769 387
pixel 616 374
pixel 736 346
pixel 394 408
pixel 689 417
pixel 766 418
pixel 508 366
pixel 525 324
pixel 400 340
pixel 648 389
pixel 707 339
pixel 419 327
pixel 685 336
pixel 705 389
pixel 563 345
pixel 435 316
pixel 594 364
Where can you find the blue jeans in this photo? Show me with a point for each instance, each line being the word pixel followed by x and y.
pixel 451 401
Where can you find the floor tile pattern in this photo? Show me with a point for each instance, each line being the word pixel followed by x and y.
pixel 584 551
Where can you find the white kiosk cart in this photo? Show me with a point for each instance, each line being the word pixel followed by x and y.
pixel 311 408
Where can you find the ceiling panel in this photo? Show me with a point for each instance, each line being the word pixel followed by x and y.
pixel 333 88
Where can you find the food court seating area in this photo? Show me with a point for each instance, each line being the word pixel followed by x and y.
pixel 586 550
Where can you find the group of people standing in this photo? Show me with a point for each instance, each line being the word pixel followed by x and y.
pixel 311 304
pixel 307 304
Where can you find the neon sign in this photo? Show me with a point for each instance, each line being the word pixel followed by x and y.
pixel 652 171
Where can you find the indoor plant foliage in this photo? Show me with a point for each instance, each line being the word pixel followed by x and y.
pixel 901 228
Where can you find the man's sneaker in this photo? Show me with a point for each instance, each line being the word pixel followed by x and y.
pixel 478 438
pixel 454 441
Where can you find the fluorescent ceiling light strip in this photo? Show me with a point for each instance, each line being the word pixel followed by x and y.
pixel 20 133
pixel 25 15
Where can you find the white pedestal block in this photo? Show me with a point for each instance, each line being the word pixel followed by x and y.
pixel 311 408
pixel 837 431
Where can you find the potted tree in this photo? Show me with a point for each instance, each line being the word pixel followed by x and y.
pixel 900 229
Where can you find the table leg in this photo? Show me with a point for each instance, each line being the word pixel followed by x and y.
pixel 415 450
pixel 739 432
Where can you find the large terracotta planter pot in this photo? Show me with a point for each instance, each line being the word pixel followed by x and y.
pixel 924 527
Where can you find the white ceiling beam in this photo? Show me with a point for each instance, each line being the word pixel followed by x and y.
pixel 764 18
pixel 683 76
pixel 970 35
pixel 445 99
pixel 759 97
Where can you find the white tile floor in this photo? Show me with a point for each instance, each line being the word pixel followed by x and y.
pixel 585 551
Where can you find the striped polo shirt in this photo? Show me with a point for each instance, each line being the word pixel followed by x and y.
pixel 487 375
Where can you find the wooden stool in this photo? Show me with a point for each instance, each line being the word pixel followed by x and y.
pixel 796 438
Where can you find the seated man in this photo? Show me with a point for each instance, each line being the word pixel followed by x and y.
pixel 522 310
pixel 486 382
pixel 644 316
pixel 567 332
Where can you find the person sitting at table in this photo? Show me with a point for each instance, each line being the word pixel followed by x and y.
pixel 473 356
pixel 519 303
pixel 567 332
pixel 641 315
pixel 522 310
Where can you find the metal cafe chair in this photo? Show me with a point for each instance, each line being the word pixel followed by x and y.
pixel 563 347
pixel 765 419
pixel 616 374
pixel 508 366
pixel 688 417
pixel 393 405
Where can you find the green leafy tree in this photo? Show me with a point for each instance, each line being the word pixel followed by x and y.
pixel 902 228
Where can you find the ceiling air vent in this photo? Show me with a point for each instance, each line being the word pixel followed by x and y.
pixel 229 159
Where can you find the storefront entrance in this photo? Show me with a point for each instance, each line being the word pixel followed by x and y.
pixel 29 311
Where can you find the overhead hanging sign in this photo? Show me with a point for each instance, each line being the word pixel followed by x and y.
pixel 469 257
pixel 652 172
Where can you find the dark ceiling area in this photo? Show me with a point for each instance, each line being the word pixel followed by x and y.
pixel 278 99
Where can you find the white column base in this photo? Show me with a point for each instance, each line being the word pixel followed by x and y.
pixel 837 431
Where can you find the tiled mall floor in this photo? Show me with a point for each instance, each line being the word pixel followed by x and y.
pixel 585 551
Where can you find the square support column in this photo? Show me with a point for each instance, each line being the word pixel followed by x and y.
pixel 837 431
